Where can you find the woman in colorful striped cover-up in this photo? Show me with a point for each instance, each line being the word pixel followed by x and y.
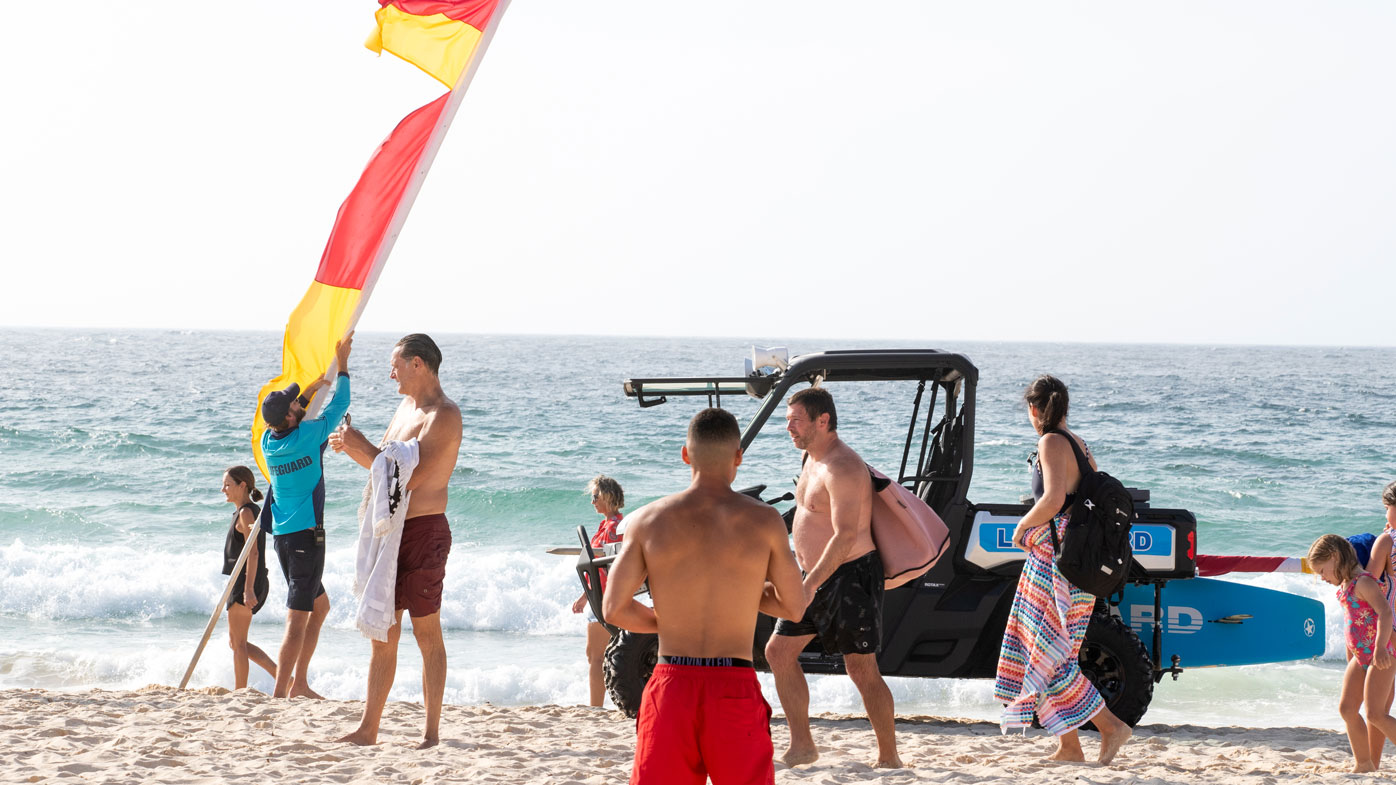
pixel 1038 671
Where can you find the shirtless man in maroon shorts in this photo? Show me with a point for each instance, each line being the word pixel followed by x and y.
pixel 713 557
pixel 427 415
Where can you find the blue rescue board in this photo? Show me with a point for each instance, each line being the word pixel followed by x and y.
pixel 1208 622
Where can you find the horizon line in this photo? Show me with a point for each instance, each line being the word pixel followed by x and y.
pixel 878 342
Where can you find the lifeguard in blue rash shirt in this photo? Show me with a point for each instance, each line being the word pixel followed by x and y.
pixel 292 447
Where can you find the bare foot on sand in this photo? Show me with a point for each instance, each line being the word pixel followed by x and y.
pixel 894 763
pixel 1110 743
pixel 360 737
pixel 800 757
pixel 304 691
pixel 428 743
pixel 1067 756
pixel 1363 768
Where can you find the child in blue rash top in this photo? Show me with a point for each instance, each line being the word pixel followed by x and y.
pixel 292 446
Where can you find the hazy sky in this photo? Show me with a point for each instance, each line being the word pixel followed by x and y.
pixel 1218 172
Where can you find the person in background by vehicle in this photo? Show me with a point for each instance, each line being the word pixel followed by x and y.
pixel 1381 563
pixel 714 558
pixel 1039 672
pixel 843 583
pixel 293 447
pixel 608 499
pixel 1369 643
pixel 251 586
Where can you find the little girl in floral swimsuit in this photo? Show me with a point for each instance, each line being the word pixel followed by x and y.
pixel 1369 643
pixel 1382 566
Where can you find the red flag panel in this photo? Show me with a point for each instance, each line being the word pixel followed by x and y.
pixel 362 222
pixel 475 13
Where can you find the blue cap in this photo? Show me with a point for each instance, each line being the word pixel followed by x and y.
pixel 277 404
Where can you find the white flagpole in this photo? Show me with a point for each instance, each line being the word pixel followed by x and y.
pixel 414 185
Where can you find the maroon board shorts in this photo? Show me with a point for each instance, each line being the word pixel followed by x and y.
pixel 421 564
pixel 698 722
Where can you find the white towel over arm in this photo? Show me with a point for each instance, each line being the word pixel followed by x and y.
pixel 380 535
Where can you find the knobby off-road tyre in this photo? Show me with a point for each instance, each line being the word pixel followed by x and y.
pixel 1116 662
pixel 629 663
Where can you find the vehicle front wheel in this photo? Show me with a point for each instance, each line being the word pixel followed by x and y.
pixel 1116 662
pixel 629 663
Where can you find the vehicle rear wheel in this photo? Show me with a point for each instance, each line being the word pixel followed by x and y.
pixel 629 663
pixel 1116 662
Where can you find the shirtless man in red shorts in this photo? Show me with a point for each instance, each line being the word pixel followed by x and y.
pixel 713 557
pixel 427 415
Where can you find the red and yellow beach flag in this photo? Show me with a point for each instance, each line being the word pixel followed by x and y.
pixel 443 39
pixel 437 36
pixel 324 313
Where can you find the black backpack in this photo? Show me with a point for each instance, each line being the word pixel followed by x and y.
pixel 1094 552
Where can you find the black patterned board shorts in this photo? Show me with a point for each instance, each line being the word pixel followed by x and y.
pixel 846 612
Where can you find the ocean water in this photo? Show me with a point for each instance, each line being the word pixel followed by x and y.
pixel 114 444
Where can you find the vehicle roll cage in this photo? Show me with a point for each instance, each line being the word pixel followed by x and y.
pixel 945 452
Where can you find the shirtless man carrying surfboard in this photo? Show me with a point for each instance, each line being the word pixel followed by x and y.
pixel 843 579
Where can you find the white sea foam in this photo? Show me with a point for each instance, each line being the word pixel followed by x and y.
pixel 84 582
pixel 511 637
pixel 339 670
pixel 495 590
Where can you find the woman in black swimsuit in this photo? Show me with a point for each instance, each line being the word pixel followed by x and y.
pixel 250 589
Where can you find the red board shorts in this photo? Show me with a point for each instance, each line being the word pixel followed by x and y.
pixel 697 722
pixel 421 564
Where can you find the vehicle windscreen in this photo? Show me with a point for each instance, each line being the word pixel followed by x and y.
pixel 873 419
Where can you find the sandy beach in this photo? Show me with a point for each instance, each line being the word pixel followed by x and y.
pixel 160 734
